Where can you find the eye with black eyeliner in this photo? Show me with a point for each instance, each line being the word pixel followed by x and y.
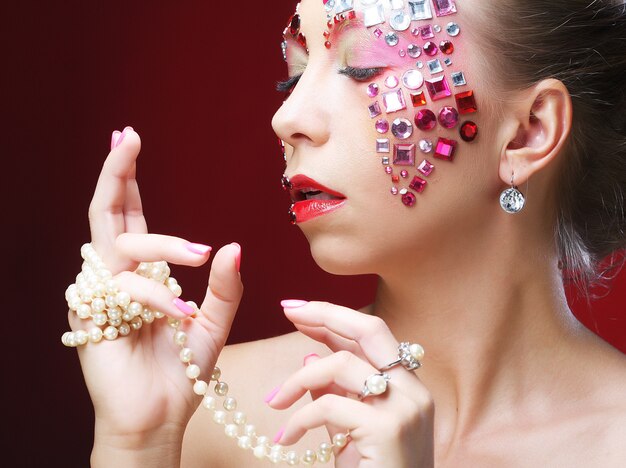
pixel 361 74
pixel 288 85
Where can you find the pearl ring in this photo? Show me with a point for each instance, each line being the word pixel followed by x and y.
pixel 375 384
pixel 409 355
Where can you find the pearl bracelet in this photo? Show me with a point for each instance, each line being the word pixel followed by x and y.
pixel 96 296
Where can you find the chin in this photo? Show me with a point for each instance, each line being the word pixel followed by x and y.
pixel 339 256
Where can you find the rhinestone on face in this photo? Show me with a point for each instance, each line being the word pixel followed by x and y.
pixel 512 200
pixel 418 99
pixel 437 28
pixel 402 53
pixel 418 184
pixel 414 50
pixel 394 101
pixel 382 126
pixel 402 129
pixel 466 102
pixel 404 174
pixel 425 119
pixel 283 48
pixel 388 169
pixel 453 29
pixel 374 110
pixel 373 15
pixel 426 168
pixel 399 20
pixel 469 131
pixel 458 79
pixel 404 155
pixel 448 117
pixel 394 190
pixel 385 162
pixel 391 82
pixel 395 178
pixel 391 38
pixel 378 33
pixel 447 61
pixel 427 32
pixel 344 5
pixel 329 5
pixel 409 199
pixel 430 49
pixel 372 90
pixel 446 47
pixel 444 7
pixel 419 64
pixel 426 146
pixel 438 88
pixel 413 79
pixel 415 32
pixel 445 149
pixel 420 9
pixel 434 66
pixel 382 145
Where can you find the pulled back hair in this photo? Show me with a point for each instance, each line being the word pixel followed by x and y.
pixel 582 43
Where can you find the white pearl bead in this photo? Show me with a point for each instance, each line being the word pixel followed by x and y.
pixel 192 371
pixel 111 286
pixel 244 442
pixel 172 322
pixel 177 290
pixel 219 417
pixel 135 308
pixel 323 457
pixel 99 319
pixel 417 352
pixel 180 338
pixel 123 298
pixel 259 451
pixel 275 457
pixel 110 301
pixel 221 388
pixel 71 340
pixel 123 329
pixel 376 384
pixel 86 294
pixel 170 282
pixel 99 290
pixel 292 458
pixel 186 355
pixel 110 333
pixel 105 275
pixel 239 418
pixel 98 305
pixel 262 440
pixel 142 269
pixel 158 315
pixel 309 457
pixel 230 404
pixel 208 402
pixel 115 322
pixel 74 303
pixel 83 311
pixel 325 447
pixel 249 430
pixel 95 335
pixel 81 337
pixel 114 313
pixel 276 448
pixel 127 316
pixel 136 323
pixel 231 430
pixel 64 338
pixel 216 374
pixel 200 387
pixel 147 316
pixel 340 439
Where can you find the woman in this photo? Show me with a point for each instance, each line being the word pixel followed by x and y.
pixel 530 100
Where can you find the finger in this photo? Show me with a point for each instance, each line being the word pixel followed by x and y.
pixel 224 290
pixel 343 369
pixel 107 204
pixel 334 342
pixel 157 247
pixel 134 220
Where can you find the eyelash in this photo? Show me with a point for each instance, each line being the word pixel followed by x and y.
pixel 358 74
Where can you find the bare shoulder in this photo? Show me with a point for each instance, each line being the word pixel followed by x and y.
pixel 251 370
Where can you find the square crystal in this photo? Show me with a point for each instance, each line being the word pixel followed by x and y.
pixel 404 155
pixel 427 32
pixel 438 88
pixel 448 61
pixel 385 160
pixel 382 145
pixel 344 5
pixel 418 184
pixel 374 110
pixel 458 79
pixel 445 149
pixel 434 66
pixel 420 10
pixel 394 101
pixel 466 102
pixel 373 15
pixel 426 167
pixel 444 7
pixel 418 99
pixel 396 4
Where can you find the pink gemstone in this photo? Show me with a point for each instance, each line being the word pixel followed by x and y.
pixel 445 149
pixel 388 170
pixel 438 88
pixel 374 110
pixel 448 117
pixel 418 184
pixel 378 32
pixel 404 155
pixel 444 7
pixel 409 199
pixel 372 90
pixel 404 174
pixel 394 191
pixel 391 81
pixel 426 167
pixel 382 126
pixel 425 119
pixel 415 31
pixel 430 49
pixel 427 32
pixel 394 101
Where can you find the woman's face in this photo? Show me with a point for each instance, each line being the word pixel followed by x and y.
pixel 377 116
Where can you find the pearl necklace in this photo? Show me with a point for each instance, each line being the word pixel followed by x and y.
pixel 96 296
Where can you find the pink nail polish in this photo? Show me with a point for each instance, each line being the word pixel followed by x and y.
pixel 114 136
pixel 293 303
pixel 183 306
pixel 238 258
pixel 279 434
pixel 121 138
pixel 309 356
pixel 270 396
pixel 199 249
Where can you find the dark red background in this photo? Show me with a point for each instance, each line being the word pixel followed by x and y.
pixel 195 79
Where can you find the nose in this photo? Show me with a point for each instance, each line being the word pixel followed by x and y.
pixel 303 119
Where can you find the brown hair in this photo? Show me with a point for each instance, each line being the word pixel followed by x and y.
pixel 582 43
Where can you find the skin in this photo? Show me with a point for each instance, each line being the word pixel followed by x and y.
pixel 510 377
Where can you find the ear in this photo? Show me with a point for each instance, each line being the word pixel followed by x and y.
pixel 538 130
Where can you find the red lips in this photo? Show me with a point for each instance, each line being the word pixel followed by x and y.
pixel 305 208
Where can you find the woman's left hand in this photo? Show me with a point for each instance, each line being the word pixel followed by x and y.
pixel 394 429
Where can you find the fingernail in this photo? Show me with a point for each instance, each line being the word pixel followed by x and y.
pixel 270 396
pixel 114 136
pixel 238 258
pixel 279 434
pixel 183 306
pixel 307 357
pixel 293 303
pixel 199 249
pixel 121 138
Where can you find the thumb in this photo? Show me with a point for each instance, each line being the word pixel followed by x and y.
pixel 224 291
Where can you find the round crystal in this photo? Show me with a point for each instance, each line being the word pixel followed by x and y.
pixel 413 79
pixel 391 38
pixel 453 29
pixel 448 117
pixel 402 128
pixel 399 20
pixel 415 31
pixel 426 146
pixel 394 190
pixel 425 119
pixel 382 126
pixel 437 28
pixel 414 50
pixel 330 4
pixel 430 48
pixel 409 199
pixel 372 90
pixel 388 170
pixel 391 81
pixel 404 173
pixel 446 47
pixel 469 131
pixel 512 200
pixel 419 64
pixel 402 53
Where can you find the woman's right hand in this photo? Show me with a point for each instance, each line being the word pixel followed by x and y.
pixel 141 395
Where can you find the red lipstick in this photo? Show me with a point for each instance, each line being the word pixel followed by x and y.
pixel 312 199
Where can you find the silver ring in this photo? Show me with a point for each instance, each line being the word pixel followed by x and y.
pixel 409 355
pixel 375 384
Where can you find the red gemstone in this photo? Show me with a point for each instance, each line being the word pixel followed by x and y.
pixel 409 199
pixel 294 24
pixel 395 178
pixel 448 117
pixel 469 131
pixel 446 47
pixel 329 24
pixel 445 149
pixel 425 119
pixel 418 184
pixel 430 48
pixel 466 102
pixel 418 99
pixel 327 44
pixel 302 40
pixel 351 14
pixel 326 34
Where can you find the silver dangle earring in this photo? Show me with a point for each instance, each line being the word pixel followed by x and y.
pixel 511 199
